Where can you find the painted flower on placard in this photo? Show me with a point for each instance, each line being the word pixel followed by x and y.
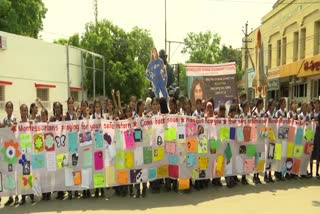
pixel 38 143
pixel 10 152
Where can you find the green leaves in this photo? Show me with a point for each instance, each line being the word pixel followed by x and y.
pixel 202 47
pixel 23 17
pixel 126 54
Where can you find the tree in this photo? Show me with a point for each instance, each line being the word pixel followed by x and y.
pixel 73 40
pixel 23 17
pixel 126 57
pixel 229 54
pixel 202 47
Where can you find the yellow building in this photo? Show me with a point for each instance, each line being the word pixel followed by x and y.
pixel 291 40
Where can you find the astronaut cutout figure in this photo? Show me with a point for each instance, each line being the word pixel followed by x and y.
pixel 157 74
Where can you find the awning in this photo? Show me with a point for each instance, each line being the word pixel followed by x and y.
pixel 39 85
pixel 2 82
pixel 72 88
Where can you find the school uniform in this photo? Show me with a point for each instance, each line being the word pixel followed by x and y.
pixel 23 197
pixel 8 122
pixel 283 114
pixel 144 184
pixel 258 114
pixel 98 190
pixel 316 145
pixel 267 174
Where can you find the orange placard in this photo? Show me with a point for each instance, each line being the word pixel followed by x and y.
pixel 191 145
pixel 77 177
pixel 122 177
pixel 184 183
pixel 296 166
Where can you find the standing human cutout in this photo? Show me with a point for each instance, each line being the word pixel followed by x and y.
pixel 157 74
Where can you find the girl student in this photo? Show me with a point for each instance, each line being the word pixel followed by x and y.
pixel 34 113
pixel 173 105
pixel 257 113
pixel 24 119
pixel 281 113
pixel 140 113
pixel 292 113
pixel 199 184
pixel 221 114
pixel 84 110
pixel 245 114
pixel 232 180
pixel 161 106
pixel 71 115
pixel 58 116
pixel 97 114
pixel 315 156
pixel 269 114
pixel 44 119
pixel 9 121
pixel 83 116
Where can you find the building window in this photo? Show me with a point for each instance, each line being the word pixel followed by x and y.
pixel 269 55
pixel 43 95
pixel 284 51
pixel 316 38
pixel 300 90
pixel 2 98
pixel 295 45
pixel 303 43
pixel 315 92
pixel 75 95
pixel 278 52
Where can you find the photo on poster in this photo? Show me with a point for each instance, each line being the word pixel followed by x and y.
pixel 242 149
pixel 283 133
pixel 85 138
pixel 271 148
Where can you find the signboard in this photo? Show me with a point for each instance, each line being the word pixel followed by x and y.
pixel 273 85
pixel 216 81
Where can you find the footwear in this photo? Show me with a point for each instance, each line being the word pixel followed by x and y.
pixel 270 179
pixel 96 194
pixel 235 178
pixel 22 202
pixel 138 194
pixel 76 194
pixel 102 193
pixel 287 176
pixel 16 200
pixel 33 201
pixel 266 179
pixel 244 181
pixel 144 193
pixel 9 202
pixel 70 196
pixel 131 194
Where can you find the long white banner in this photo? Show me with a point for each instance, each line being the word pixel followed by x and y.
pixel 86 154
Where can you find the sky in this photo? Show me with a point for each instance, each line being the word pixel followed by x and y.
pixel 224 17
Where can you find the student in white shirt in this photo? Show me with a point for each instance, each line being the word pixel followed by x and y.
pixel 198 112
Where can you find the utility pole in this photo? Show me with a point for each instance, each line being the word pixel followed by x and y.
pixel 246 57
pixel 165 25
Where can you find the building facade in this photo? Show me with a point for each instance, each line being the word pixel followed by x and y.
pixel 31 69
pixel 291 40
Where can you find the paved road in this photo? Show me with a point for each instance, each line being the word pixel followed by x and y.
pixel 295 196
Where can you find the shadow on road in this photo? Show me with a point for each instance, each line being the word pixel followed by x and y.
pixel 112 202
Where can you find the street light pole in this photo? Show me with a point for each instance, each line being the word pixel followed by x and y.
pixel 165 25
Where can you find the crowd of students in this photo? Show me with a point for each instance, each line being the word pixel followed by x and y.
pixel 114 109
